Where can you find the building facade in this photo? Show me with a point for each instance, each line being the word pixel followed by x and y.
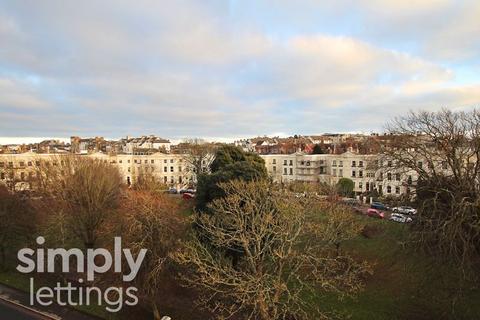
pixel 368 172
pixel 171 169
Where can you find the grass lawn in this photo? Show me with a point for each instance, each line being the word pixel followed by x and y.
pixel 404 284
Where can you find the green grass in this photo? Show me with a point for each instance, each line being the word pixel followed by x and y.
pixel 15 280
pixel 404 284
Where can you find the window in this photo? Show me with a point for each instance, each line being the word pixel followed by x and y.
pixel 285 162
pixel 340 163
pixel 397 190
pixel 179 179
pixel 334 172
pixel 129 170
pixel 354 163
pixel 397 176
pixel 171 160
pixel 367 185
pixel 22 164
pixel 285 170
pixel 354 174
pixel 409 180
pixel 274 169
pixel 389 189
pixel 135 161
pixel 165 161
pixel 291 162
pixel 119 161
pixel 360 174
pixel 360 186
pixel 165 169
pixel 274 161
pixel 390 163
pixel 22 176
pixel 29 163
pixel 420 164
pixel 291 171
pixel 360 163
pixel 334 163
pixel 179 169
pixel 165 179
pixel 389 176
pixel 146 161
pixel 10 164
pixel 172 179
pixel 340 172
pixel 171 169
pixel 308 163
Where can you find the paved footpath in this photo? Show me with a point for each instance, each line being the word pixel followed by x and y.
pixel 14 305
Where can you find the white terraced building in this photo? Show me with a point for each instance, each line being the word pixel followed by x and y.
pixel 173 170
pixel 364 170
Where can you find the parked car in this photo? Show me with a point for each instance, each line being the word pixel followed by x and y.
pixel 188 196
pixel 398 217
pixel 405 210
pixel 375 213
pixel 378 205
pixel 182 191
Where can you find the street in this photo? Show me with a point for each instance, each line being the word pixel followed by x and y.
pixel 10 311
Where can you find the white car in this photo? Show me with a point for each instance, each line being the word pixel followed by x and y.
pixel 405 210
pixel 398 217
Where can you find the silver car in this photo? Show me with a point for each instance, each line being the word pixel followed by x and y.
pixel 405 210
pixel 398 217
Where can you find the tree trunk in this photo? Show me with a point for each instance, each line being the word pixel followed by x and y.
pixel 156 312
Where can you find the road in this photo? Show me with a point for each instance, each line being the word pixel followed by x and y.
pixel 10 311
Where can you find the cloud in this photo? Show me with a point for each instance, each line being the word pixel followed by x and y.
pixel 224 69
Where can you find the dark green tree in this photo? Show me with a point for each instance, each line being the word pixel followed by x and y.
pixel 317 149
pixel 345 187
pixel 231 163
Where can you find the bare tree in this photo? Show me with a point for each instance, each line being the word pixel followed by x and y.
pixel 12 175
pixel 85 190
pixel 281 260
pixel 198 154
pixel 440 150
pixel 337 223
pixel 146 180
pixel 17 220
pixel 153 223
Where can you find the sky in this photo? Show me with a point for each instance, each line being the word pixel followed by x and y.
pixel 226 69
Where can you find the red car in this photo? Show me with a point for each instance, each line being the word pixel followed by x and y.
pixel 375 213
pixel 188 196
